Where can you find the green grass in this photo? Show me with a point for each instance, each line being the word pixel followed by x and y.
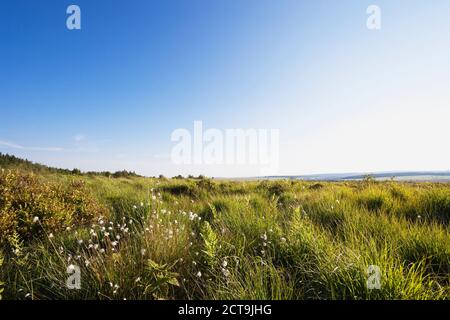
pixel 148 238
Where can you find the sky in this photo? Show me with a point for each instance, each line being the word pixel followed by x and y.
pixel 110 95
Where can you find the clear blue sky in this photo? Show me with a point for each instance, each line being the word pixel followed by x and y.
pixel 108 96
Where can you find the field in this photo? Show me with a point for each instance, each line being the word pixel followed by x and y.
pixel 158 238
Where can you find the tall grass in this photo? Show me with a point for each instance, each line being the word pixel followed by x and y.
pixel 146 238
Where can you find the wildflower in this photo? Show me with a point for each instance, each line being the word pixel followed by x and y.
pixel 264 236
pixel 225 272
pixel 71 268
pixel 35 219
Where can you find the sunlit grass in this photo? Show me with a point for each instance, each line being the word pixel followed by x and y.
pixel 146 238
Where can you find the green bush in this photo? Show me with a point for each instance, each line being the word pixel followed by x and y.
pixel 29 206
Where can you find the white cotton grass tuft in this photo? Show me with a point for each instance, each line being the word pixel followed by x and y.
pixel 71 268
pixel 226 272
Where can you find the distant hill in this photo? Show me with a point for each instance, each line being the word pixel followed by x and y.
pixel 8 161
pixel 12 162
pixel 432 176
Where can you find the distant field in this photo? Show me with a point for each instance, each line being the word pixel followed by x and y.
pixel 148 238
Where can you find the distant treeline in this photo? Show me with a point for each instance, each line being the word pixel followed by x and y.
pixel 8 161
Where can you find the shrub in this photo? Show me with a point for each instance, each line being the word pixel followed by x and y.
pixel 277 189
pixel 29 204
pixel 179 189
